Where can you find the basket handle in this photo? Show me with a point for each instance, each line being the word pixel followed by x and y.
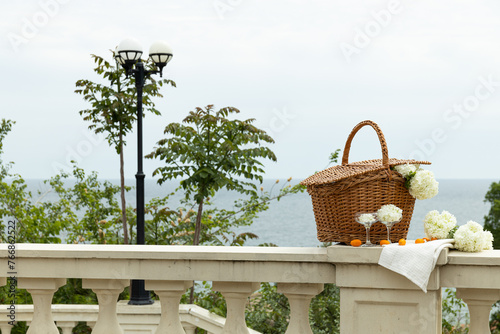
pixel 383 144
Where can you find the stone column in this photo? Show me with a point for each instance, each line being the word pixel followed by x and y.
pixel 189 329
pixel 374 299
pixel 66 326
pixel 236 295
pixel 299 296
pixel 5 328
pixel 170 293
pixel 479 302
pixel 107 291
pixel 41 290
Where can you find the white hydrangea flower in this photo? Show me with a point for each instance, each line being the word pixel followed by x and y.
pixel 389 213
pixel 423 185
pixel 406 169
pixel 366 218
pixel 471 238
pixel 438 225
pixel 487 240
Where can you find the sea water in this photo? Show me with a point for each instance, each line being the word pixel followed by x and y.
pixel 290 221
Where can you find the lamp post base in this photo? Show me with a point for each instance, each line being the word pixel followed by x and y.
pixel 138 294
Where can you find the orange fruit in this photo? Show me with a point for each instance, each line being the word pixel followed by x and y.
pixel 356 243
pixel 384 242
pixel 426 239
pixel 433 238
pixel 419 241
pixel 402 242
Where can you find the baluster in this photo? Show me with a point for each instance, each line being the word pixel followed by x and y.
pixel 66 326
pixel 299 296
pixel 170 293
pixel 42 291
pixel 189 329
pixel 5 328
pixel 107 292
pixel 236 295
pixel 479 302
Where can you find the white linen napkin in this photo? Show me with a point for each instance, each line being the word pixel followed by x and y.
pixel 414 261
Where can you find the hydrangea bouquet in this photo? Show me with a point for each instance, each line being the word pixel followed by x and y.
pixel 438 225
pixel 472 238
pixel 468 238
pixel 420 183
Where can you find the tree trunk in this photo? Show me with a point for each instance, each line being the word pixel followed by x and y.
pixel 197 228
pixel 196 241
pixel 122 186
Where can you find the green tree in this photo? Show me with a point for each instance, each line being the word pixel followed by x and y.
pixel 96 209
pixel 210 152
pixel 5 128
pixel 113 110
pixel 492 220
pixel 176 226
pixel 36 221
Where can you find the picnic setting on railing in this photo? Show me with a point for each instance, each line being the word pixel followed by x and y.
pixel 362 209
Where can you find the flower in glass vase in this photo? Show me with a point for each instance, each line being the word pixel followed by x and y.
pixel 366 218
pixel 389 213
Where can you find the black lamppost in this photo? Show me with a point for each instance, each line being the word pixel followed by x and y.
pixel 128 54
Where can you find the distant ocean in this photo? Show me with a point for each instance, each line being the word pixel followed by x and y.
pixel 290 222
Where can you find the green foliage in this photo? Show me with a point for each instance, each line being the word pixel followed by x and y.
pixel 495 319
pixel 36 222
pixel 176 226
pixel 324 313
pixel 73 293
pixel 268 311
pixel 492 220
pixel 454 310
pixel 492 223
pixel 114 109
pixel 208 299
pixel 451 234
pixel 334 157
pixel 210 152
pixel 5 128
pixel 96 205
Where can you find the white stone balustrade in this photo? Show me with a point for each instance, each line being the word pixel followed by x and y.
pixel 372 298
pixel 132 318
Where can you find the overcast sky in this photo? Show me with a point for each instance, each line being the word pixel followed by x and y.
pixel 428 72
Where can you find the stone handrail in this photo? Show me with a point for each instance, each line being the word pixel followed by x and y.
pixel 372 298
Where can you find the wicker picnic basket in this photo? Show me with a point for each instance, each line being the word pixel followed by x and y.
pixel 339 192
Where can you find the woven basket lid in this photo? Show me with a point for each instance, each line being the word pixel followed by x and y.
pixel 341 172
pixel 346 169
